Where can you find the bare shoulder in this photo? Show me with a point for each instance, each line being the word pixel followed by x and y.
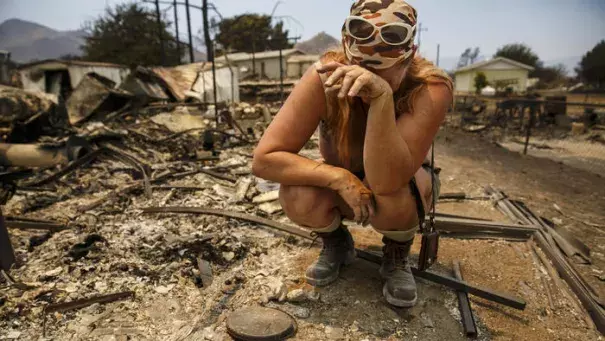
pixel 440 94
pixel 433 99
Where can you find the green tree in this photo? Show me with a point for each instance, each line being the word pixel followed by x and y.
pixel 128 34
pixel 480 82
pixel 592 66
pixel 522 54
pixel 251 32
pixel 551 76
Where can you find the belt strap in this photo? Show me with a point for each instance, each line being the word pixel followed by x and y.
pixel 419 205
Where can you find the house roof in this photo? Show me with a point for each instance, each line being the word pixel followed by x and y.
pixel 242 56
pixel 492 61
pixel 67 63
pixel 301 58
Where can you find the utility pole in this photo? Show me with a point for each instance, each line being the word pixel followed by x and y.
pixel 420 30
pixel 191 59
pixel 438 46
pixel 281 65
pixel 253 51
pixel 210 53
pixel 207 40
pixel 176 26
pixel 160 29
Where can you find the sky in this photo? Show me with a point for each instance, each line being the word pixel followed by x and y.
pixel 555 29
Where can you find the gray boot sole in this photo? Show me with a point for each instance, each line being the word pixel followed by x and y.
pixel 320 282
pixel 396 301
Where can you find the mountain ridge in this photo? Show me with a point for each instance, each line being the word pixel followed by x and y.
pixel 28 41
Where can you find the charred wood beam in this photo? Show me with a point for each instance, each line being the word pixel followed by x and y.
pixel 30 224
pixel 453 283
pixel 70 168
pixel 7 254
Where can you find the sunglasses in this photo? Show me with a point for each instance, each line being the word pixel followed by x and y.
pixel 393 34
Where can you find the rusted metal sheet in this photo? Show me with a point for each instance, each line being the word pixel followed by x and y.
pixel 95 95
pixel 145 86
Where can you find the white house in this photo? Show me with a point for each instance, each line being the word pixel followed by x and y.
pixel 501 73
pixel 298 64
pixel 264 64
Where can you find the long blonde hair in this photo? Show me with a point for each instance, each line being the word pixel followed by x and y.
pixel 420 73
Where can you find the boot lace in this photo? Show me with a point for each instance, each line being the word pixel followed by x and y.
pixel 397 255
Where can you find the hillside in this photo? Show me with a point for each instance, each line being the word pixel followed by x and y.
pixel 318 44
pixel 29 41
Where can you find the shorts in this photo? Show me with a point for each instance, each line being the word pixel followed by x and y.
pixel 414 188
pixel 427 167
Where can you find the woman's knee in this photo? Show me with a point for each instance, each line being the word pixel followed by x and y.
pixel 395 212
pixel 305 204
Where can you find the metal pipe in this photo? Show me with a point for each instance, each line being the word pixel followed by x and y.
pixel 31 155
pixel 191 58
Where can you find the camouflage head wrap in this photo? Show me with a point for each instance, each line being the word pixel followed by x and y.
pixel 373 52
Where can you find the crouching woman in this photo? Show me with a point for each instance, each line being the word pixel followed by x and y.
pixel 378 107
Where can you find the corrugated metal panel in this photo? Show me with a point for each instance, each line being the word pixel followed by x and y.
pixel 226 90
pixel 78 72
pixel 180 79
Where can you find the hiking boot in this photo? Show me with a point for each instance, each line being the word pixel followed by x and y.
pixel 338 250
pixel 400 287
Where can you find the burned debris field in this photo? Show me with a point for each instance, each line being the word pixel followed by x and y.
pixel 145 223
pixel 204 170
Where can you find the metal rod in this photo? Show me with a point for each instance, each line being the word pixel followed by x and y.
pixel 450 282
pixel 530 122
pixel 160 29
pixel 281 76
pixel 191 58
pixel 438 46
pixel 464 304
pixel 176 27
pixel 488 294
pixel 214 94
pixel 254 52
pixel 61 307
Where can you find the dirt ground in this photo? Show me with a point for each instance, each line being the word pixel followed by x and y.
pixel 152 255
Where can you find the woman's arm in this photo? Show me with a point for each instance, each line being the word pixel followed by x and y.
pixel 276 156
pixel 395 149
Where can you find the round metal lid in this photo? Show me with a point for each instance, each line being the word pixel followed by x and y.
pixel 259 324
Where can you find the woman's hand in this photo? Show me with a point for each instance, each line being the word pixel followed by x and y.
pixel 353 80
pixel 357 196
